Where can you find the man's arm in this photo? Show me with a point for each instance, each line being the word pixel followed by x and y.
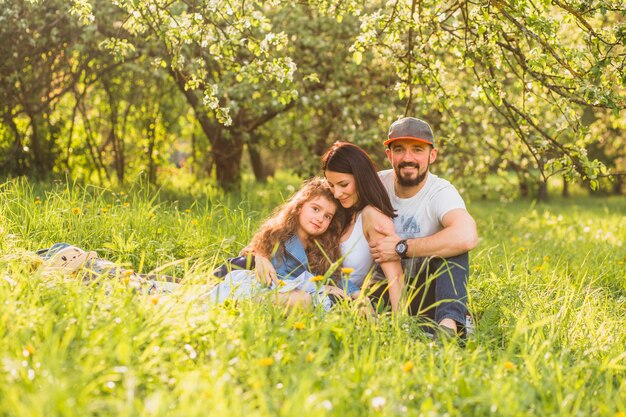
pixel 457 236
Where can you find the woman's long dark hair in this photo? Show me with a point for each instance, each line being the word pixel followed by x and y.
pixel 347 158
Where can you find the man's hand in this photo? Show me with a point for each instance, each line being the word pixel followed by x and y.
pixel 384 249
pixel 264 270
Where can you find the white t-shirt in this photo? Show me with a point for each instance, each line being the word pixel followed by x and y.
pixel 421 215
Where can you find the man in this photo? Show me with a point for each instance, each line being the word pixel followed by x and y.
pixel 434 230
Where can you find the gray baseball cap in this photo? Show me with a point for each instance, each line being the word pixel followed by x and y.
pixel 412 129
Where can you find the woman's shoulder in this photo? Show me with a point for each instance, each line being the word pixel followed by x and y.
pixel 371 212
pixel 373 217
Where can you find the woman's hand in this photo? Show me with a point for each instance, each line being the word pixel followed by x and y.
pixel 264 270
pixel 364 305
pixel 336 291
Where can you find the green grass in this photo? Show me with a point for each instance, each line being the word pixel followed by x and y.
pixel 548 287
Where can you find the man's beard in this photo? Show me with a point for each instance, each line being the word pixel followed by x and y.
pixel 410 182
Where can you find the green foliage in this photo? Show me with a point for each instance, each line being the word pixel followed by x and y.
pixel 547 290
pixel 109 89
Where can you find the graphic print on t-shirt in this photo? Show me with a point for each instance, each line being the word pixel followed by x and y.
pixel 408 226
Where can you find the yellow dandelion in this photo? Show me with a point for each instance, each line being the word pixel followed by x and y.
pixel 538 268
pixel 265 361
pixel 522 249
pixel 154 299
pixel 281 283
pixel 29 350
pixel 104 210
pixel 126 204
pixel 298 325
pixel 37 201
pixel 510 366
pixel 187 211
pixel 408 366
pixel 317 278
pixel 76 210
pixel 194 222
pixel 309 357
pixel 620 414
pixel 347 271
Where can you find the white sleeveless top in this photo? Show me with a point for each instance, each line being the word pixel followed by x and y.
pixel 356 252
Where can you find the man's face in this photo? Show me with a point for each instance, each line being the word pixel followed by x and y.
pixel 410 160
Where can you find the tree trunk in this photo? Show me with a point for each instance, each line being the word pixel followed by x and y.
pixel 261 170
pixel 565 191
pixel 16 163
pixel 524 191
pixel 226 151
pixel 118 152
pixel 542 190
pixel 40 158
pixel 618 184
pixel 227 157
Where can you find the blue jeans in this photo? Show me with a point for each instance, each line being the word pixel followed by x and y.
pixel 436 287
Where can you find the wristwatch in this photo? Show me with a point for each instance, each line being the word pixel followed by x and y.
pixel 401 248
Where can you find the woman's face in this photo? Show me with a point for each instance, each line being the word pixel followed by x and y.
pixel 343 187
pixel 315 217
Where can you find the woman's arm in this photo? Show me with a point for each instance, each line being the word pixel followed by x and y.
pixel 392 269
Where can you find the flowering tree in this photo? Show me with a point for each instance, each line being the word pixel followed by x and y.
pixel 509 81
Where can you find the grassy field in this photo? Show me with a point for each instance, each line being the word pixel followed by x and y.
pixel 548 288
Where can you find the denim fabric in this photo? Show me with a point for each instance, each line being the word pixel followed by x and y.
pixel 243 285
pixel 52 250
pixel 437 287
pixel 234 264
pixel 292 262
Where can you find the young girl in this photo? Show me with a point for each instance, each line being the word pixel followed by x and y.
pixel 301 236
pixel 355 183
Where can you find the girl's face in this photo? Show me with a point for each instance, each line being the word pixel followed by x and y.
pixel 315 217
pixel 343 187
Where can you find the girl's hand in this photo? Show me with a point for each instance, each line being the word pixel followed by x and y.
pixel 264 270
pixel 247 250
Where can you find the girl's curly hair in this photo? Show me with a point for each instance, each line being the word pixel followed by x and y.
pixel 321 250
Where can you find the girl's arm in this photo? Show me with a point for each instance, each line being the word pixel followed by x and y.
pixel 392 269
pixel 264 270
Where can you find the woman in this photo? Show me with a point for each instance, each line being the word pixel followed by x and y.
pixel 356 185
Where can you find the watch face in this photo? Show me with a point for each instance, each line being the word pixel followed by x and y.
pixel 401 248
